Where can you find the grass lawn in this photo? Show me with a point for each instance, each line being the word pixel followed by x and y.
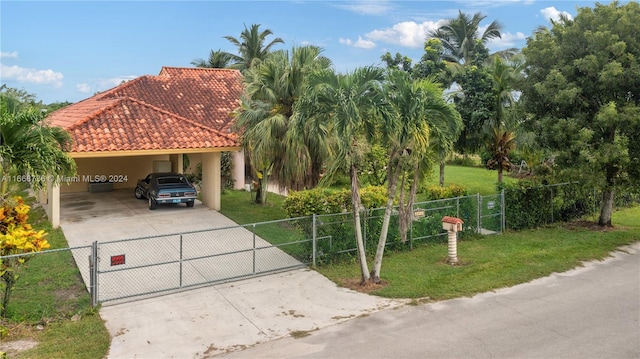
pixel 51 295
pixel 493 262
pixel 488 263
pixel 475 179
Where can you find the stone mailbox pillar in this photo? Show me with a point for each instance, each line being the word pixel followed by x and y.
pixel 452 225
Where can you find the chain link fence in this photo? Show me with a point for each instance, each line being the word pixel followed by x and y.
pixel 142 266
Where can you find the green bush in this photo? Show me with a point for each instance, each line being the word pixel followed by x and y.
pixel 326 201
pixel 453 190
pixel 530 203
pixel 335 223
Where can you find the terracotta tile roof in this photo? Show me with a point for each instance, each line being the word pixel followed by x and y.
pixel 178 109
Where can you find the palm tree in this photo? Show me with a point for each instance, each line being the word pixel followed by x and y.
pixel 251 46
pixel 462 42
pixel 292 151
pixel 502 142
pixel 33 149
pixel 501 129
pixel 217 60
pixel 350 102
pixel 418 107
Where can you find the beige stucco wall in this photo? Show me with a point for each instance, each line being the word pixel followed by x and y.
pixel 194 159
pixel 125 171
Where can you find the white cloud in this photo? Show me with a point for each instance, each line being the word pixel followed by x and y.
pixel 360 43
pixel 551 13
pixel 84 88
pixel 407 33
pixel 368 7
pixel 43 77
pixel 507 40
pixel 9 55
pixel 494 3
pixel 106 84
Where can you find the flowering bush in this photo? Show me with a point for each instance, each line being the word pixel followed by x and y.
pixel 16 237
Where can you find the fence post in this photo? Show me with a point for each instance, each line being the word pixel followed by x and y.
pixel 364 228
pixel 413 208
pixel 314 239
pixel 551 202
pixel 181 261
pixel 595 201
pixel 479 213
pixel 254 248
pixel 503 213
pixel 93 274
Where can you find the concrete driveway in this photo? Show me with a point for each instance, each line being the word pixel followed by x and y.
pixel 210 320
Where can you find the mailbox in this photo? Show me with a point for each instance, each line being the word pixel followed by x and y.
pixel 452 224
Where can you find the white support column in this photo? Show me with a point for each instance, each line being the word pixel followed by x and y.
pixel 237 159
pixel 211 180
pixel 177 163
pixel 53 204
pixel 42 197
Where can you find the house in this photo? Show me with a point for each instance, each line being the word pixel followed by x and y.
pixel 148 125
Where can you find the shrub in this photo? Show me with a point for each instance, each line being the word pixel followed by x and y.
pixel 335 230
pixel 437 192
pixel 16 237
pixel 531 204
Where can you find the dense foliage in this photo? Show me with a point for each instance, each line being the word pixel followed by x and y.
pixel 531 204
pixel 583 89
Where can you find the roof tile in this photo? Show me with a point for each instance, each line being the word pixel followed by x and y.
pixel 181 108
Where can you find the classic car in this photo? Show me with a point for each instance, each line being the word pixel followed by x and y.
pixel 166 188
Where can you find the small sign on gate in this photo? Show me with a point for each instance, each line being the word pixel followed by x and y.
pixel 117 260
pixel 491 205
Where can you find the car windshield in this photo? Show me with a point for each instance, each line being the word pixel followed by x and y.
pixel 172 180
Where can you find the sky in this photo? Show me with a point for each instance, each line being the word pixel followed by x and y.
pixel 70 50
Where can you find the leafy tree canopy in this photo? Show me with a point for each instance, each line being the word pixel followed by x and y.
pixel 583 86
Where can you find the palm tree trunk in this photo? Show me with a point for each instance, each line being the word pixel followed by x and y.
pixel 355 204
pixel 382 241
pixel 406 210
pixel 500 173
pixel 442 174
pixel 4 184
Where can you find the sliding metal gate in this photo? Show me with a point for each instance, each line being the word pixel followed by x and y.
pixel 149 265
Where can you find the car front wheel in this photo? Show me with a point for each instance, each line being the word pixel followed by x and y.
pixel 139 193
pixel 152 204
pixel 190 204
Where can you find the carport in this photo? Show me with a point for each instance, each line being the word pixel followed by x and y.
pixel 151 124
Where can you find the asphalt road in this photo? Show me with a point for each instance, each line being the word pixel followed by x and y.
pixel 590 312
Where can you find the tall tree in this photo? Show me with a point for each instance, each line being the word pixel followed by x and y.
pixel 217 60
pixel 397 62
pixel 465 49
pixel 462 41
pixel 583 86
pixel 292 152
pixel 501 129
pixel 349 102
pixel 433 64
pixel 251 46
pixel 475 102
pixel 415 107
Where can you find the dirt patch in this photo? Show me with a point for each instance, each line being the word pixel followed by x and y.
pixel 16 346
pixel 368 287
pixel 19 337
pixel 588 225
